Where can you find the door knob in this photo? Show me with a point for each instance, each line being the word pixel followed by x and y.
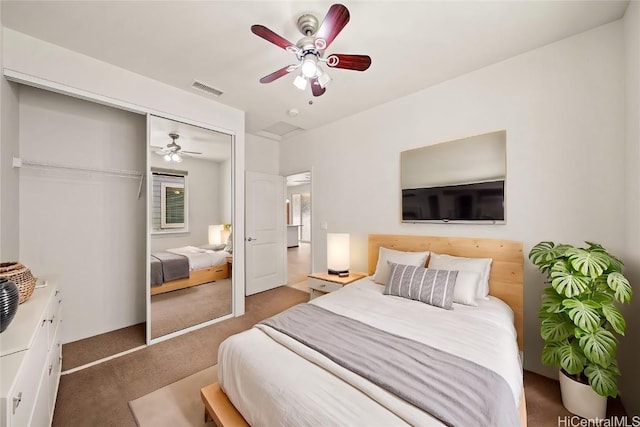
pixel 250 239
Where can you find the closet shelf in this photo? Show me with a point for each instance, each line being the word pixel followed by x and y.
pixel 18 163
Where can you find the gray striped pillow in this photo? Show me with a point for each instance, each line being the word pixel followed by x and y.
pixel 434 287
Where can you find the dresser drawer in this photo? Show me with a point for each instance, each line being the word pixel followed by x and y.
pixel 22 400
pixel 53 317
pixel 323 285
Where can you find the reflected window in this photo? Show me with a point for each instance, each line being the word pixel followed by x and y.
pixel 169 201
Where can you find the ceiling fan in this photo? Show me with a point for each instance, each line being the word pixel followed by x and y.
pixel 174 152
pixel 310 49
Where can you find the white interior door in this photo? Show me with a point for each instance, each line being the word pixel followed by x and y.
pixel 265 246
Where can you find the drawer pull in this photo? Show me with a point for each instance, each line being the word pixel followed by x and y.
pixel 323 285
pixel 50 369
pixel 56 294
pixel 52 318
pixel 16 402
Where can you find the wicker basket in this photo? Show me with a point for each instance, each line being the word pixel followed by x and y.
pixel 21 276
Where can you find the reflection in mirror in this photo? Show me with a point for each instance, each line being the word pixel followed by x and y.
pixel 190 209
pixel 169 205
pixel 455 181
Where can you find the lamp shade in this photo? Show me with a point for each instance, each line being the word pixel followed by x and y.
pixel 338 253
pixel 215 236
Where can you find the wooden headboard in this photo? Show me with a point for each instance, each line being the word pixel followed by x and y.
pixel 507 268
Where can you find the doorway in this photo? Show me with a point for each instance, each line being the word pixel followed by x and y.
pixel 298 219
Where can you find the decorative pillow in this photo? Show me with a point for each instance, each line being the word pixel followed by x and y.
pixel 433 287
pixel 381 275
pixel 466 289
pixel 214 247
pixel 229 246
pixel 481 266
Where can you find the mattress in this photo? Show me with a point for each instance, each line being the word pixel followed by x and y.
pixel 272 385
pixel 200 258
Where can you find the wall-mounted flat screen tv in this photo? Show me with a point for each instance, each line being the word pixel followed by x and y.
pixel 456 181
pixel 482 201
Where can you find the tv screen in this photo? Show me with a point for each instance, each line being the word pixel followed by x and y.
pixel 482 201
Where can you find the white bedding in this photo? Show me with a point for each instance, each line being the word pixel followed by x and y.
pixel 272 385
pixel 200 258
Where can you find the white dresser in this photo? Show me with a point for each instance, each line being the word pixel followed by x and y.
pixel 31 360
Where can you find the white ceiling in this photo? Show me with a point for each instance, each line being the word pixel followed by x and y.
pixel 413 45
pixel 212 145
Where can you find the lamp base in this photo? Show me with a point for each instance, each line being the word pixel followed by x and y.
pixel 339 273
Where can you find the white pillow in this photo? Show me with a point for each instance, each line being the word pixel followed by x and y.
pixel 478 265
pixel 381 275
pixel 466 289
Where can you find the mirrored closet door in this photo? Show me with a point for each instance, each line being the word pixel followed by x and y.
pixel 190 226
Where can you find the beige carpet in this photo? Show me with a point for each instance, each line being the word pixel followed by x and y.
pixel 176 310
pixel 178 404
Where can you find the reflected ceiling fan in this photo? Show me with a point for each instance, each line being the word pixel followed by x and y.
pixel 310 49
pixel 174 152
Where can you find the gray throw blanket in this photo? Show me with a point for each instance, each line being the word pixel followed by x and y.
pixel 456 391
pixel 156 272
pixel 174 266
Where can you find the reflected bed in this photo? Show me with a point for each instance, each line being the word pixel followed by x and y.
pixel 179 268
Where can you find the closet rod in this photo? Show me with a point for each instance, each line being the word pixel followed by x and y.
pixel 18 162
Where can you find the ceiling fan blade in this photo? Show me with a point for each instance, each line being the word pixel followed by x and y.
pixel 270 36
pixel 277 74
pixel 188 152
pixel 335 20
pixel 316 89
pixel 349 62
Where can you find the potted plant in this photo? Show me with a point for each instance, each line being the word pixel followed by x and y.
pixel 579 320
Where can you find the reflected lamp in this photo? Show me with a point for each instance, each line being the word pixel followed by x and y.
pixel 215 234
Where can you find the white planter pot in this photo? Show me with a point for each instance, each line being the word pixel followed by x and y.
pixel 580 399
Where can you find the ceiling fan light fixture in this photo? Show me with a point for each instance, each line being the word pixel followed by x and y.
pixel 300 82
pixel 309 66
pixel 323 78
pixel 176 158
pixel 167 158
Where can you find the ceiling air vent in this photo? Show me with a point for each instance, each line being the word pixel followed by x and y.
pixel 281 128
pixel 206 88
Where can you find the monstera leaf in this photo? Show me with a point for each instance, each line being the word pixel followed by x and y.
pixel 544 254
pixel 567 281
pixel 551 353
pixel 551 303
pixel 599 346
pixel 589 263
pixel 620 285
pixel 603 380
pixel 572 358
pixel 584 314
pixel 556 328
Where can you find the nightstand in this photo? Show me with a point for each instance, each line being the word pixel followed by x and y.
pixel 323 283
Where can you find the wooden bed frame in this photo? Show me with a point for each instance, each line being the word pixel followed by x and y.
pixel 505 282
pixel 196 277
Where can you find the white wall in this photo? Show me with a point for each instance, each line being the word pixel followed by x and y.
pixel 563 109
pixel 9 205
pixel 263 155
pixel 89 228
pixel 38 63
pixel 630 346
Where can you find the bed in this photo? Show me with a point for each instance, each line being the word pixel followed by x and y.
pixel 269 377
pixel 179 268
